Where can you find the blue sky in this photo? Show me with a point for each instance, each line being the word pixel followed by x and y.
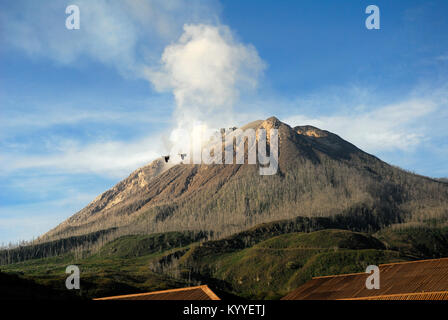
pixel 81 109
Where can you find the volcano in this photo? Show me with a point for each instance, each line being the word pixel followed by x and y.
pixel 319 175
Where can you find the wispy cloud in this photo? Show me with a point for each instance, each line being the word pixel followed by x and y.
pixel 34 201
pixel 25 221
pixel 108 158
pixel 383 129
pixel 122 34
pixel 206 69
pixel 46 117
pixel 442 57
pixel 402 125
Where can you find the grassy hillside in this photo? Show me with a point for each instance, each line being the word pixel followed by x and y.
pixel 120 267
pixel 14 287
pixel 142 245
pixel 52 248
pixel 323 239
pixel 264 262
pixel 268 269
pixel 273 267
pixel 420 241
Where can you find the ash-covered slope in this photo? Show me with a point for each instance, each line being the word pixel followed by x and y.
pixel 319 174
pixel 121 197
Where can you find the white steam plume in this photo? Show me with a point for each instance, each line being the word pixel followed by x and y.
pixel 206 70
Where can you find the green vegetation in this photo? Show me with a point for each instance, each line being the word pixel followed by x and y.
pixel 14 287
pixel 331 208
pixel 52 248
pixel 272 268
pixel 120 267
pixel 418 241
pixel 264 262
pixel 141 245
pixel 323 239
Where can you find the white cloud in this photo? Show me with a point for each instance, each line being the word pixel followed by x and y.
pixel 116 33
pixel 442 57
pixel 206 70
pixel 41 201
pixel 24 228
pixel 27 221
pixel 207 67
pixel 107 158
pixel 400 126
pixel 16 120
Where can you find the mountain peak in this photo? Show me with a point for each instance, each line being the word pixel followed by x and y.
pixel 272 119
pixel 271 122
pixel 156 189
